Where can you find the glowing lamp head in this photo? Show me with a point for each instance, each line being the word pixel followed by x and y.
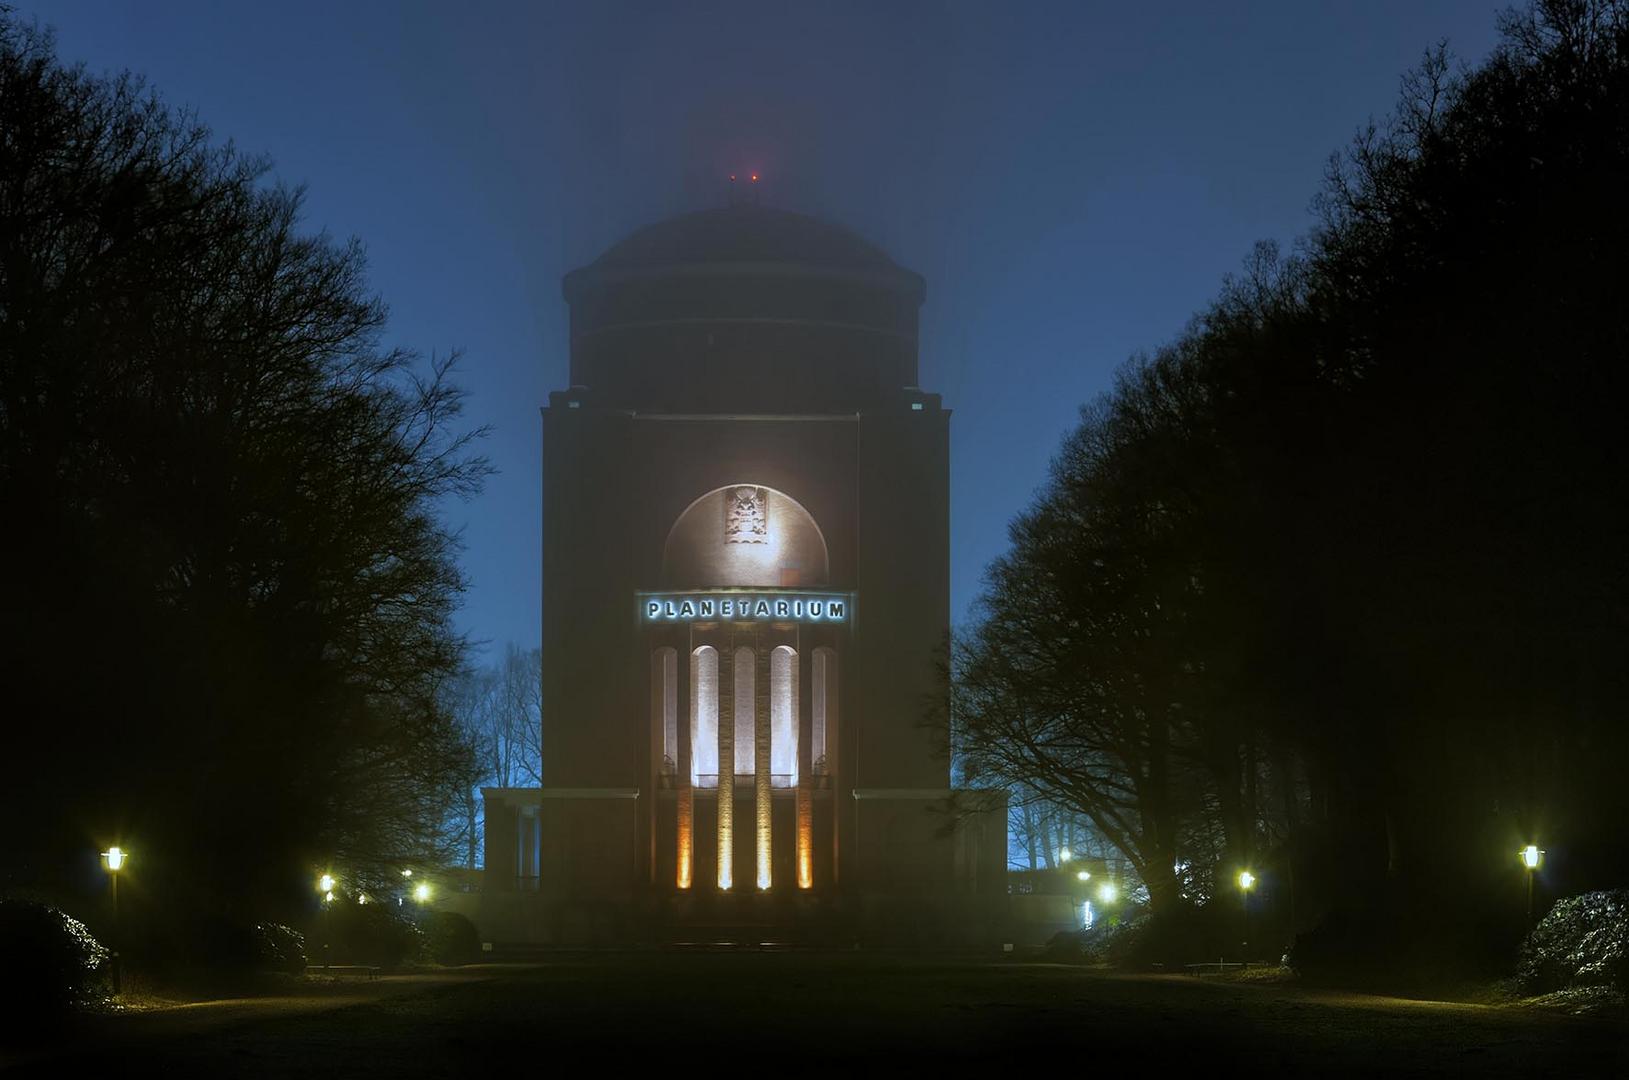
pixel 1065 855
pixel 325 884
pixel 115 859
pixel 1247 880
pixel 1107 893
pixel 421 893
pixel 1083 875
pixel 328 898
pixel 1531 856
pixel 407 873
pixel 754 178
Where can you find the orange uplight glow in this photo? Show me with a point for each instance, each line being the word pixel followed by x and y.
pixel 754 178
pixel 805 837
pixel 687 817
pixel 726 810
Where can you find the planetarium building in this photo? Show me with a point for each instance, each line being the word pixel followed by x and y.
pixel 745 595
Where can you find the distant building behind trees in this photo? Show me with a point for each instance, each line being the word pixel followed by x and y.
pixel 499 708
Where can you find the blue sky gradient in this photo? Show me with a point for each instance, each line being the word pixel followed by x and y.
pixel 1073 179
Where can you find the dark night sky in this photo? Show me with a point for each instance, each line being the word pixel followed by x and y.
pixel 1073 179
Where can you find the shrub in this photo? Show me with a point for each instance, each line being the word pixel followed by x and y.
pixel 370 934
pixel 1345 947
pixel 279 948
pixel 1184 935
pixel 1105 941
pixel 450 938
pixel 1582 941
pixel 52 960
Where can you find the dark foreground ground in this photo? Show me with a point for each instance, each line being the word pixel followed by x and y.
pixel 769 1013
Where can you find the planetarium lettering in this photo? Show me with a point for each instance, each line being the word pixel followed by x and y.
pixel 794 608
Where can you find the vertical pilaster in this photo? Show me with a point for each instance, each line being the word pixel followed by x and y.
pixel 763 803
pixel 726 762
pixel 684 781
pixel 805 782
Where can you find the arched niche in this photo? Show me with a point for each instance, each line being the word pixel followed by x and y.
pixel 745 535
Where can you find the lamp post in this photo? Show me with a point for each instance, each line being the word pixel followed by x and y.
pixel 1531 856
pixel 325 886
pixel 114 859
pixel 1247 881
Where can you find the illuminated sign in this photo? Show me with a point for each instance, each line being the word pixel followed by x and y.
pixel 778 607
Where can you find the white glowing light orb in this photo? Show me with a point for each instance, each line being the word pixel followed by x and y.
pixel 1083 875
pixel 421 893
pixel 325 883
pixel 1065 855
pixel 1531 856
pixel 1106 892
pixel 115 858
pixel 1247 880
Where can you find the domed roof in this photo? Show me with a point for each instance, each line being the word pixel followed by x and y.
pixel 744 234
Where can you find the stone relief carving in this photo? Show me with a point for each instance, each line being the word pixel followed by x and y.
pixel 746 515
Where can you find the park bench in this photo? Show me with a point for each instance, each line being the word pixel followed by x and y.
pixel 368 971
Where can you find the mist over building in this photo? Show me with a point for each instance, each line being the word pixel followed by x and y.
pixel 746 584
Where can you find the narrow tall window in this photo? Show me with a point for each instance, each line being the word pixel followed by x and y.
pixel 704 717
pixel 824 706
pixel 783 716
pixel 665 677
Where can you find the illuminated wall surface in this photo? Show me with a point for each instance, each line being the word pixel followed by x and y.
pixel 714 544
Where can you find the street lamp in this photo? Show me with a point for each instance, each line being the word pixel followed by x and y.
pixel 1247 881
pixel 325 886
pixel 1083 875
pixel 114 859
pixel 1532 856
pixel 421 892
pixel 1065 855
pixel 1107 893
